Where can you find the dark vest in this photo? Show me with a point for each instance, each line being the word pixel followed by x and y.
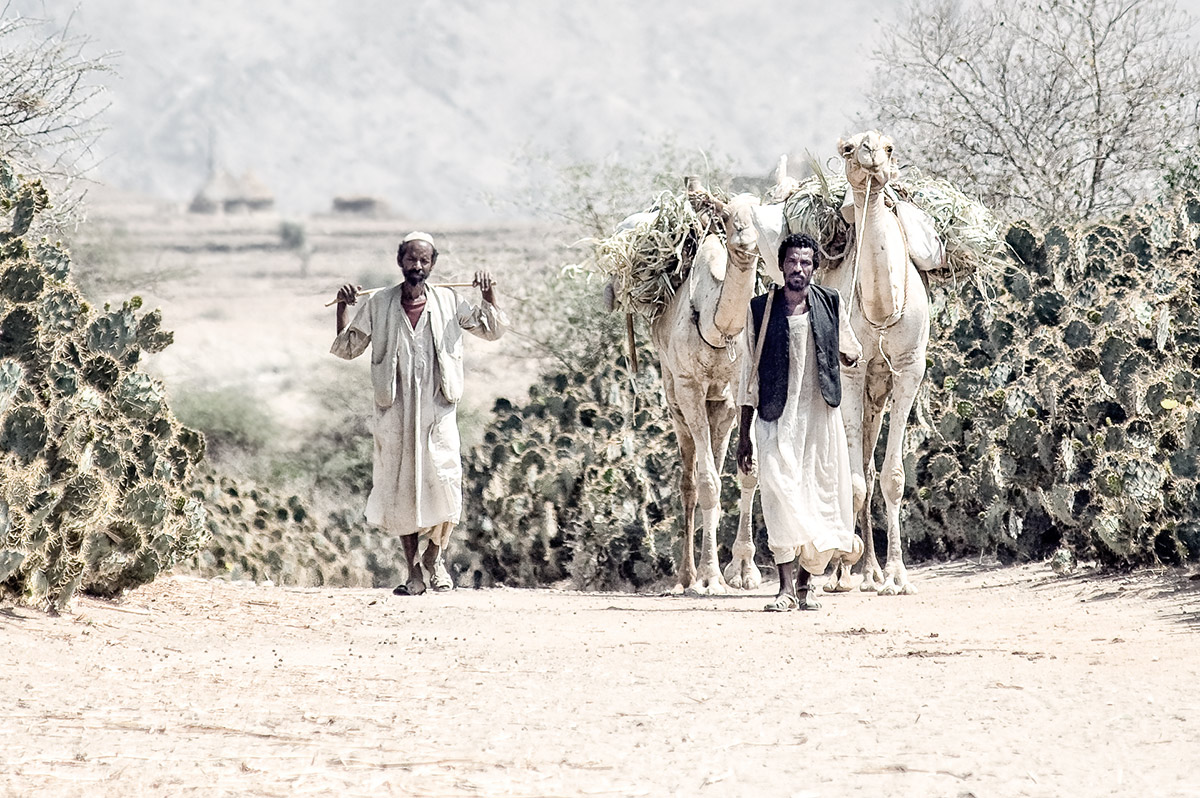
pixel 773 368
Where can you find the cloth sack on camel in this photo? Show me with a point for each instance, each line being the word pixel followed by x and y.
pixel 772 228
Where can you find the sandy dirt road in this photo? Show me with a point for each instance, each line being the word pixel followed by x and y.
pixel 992 681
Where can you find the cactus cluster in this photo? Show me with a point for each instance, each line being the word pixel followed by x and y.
pixel 260 536
pixel 94 467
pixel 1059 407
pixel 580 483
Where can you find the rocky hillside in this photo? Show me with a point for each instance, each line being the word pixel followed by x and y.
pixel 435 105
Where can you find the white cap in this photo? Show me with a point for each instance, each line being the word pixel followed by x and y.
pixel 417 235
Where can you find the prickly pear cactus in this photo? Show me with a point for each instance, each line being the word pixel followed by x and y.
pixel 579 483
pixel 1059 407
pixel 259 536
pixel 93 465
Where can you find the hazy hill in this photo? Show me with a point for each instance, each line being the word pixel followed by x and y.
pixel 431 104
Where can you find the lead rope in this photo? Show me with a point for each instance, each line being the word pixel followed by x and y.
pixel 762 336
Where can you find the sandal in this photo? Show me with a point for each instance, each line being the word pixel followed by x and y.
pixel 782 603
pixel 810 601
pixel 406 590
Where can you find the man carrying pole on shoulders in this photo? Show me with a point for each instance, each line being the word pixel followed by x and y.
pixel 414 331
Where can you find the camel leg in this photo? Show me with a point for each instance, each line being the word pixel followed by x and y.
pixel 721 415
pixel 687 489
pixel 872 423
pixel 891 481
pixel 741 573
pixel 853 387
pixel 707 488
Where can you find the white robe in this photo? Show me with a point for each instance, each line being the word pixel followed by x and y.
pixel 416 483
pixel 803 463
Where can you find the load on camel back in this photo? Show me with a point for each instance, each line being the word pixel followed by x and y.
pixel 689 265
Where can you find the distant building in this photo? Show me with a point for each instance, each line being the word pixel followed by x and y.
pixel 223 193
pixel 361 205
pixel 254 194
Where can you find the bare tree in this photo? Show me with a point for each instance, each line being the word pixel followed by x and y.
pixel 1060 109
pixel 50 97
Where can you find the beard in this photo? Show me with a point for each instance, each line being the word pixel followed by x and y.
pixel 797 282
pixel 415 278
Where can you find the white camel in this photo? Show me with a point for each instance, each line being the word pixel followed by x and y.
pixel 890 316
pixel 697 338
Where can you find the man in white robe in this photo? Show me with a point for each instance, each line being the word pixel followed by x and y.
pixel 804 473
pixel 414 331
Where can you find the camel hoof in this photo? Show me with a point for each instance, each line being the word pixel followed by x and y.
pixel 709 582
pixel 868 586
pixel 743 576
pixel 678 590
pixel 893 588
pixel 836 587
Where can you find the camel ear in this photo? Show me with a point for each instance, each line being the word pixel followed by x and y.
pixel 845 148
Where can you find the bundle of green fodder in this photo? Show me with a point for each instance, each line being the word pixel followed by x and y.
pixel 260 536
pixel 815 208
pixel 648 260
pixel 969 231
pixel 1060 409
pixel 93 464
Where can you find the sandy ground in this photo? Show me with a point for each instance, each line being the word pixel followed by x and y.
pixel 992 681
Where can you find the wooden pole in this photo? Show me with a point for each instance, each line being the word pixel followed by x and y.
pixel 369 291
pixel 633 360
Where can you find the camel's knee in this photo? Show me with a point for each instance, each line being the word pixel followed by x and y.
pixel 891 482
pixel 708 491
pixel 687 486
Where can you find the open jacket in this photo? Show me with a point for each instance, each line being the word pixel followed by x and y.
pixel 831 335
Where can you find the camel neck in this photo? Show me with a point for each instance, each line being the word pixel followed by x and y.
pixel 882 268
pixel 860 196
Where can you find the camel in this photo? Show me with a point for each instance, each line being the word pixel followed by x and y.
pixel 890 316
pixel 698 340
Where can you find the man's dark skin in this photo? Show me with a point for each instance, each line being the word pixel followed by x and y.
pixel 416 260
pixel 797 267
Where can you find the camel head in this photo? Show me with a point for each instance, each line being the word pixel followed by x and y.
pixel 868 155
pixel 741 237
pixel 737 217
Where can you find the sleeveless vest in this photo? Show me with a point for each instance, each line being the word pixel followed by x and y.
pixel 774 367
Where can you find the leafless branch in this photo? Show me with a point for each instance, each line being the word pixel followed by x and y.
pixel 1059 109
